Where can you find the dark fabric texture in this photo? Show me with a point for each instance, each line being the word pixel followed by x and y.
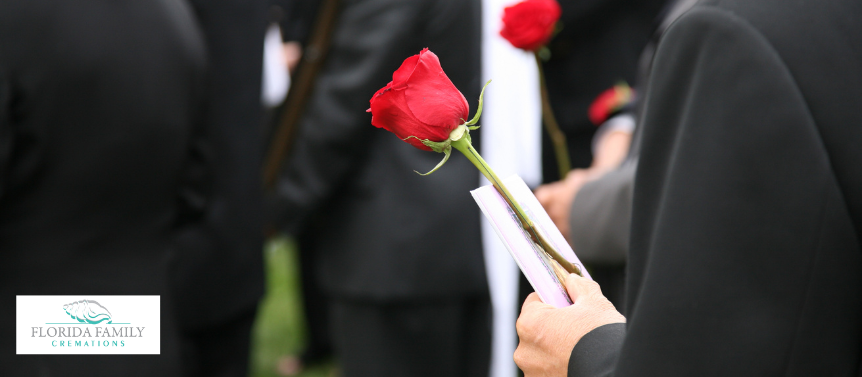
pixel 219 351
pixel 745 257
pixel 98 107
pixel 380 230
pixel 599 347
pixel 297 19
pixel 217 271
pixel 431 338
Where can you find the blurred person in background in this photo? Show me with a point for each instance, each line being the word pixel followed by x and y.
pixel 298 19
pixel 217 271
pixel 397 254
pixel 130 145
pixel 101 162
pixel 597 47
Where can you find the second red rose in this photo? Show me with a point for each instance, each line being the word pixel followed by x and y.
pixel 529 24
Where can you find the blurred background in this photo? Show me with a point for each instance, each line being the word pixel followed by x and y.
pixel 280 328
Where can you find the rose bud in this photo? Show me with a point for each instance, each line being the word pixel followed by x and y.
pixel 528 25
pixel 610 102
pixel 420 103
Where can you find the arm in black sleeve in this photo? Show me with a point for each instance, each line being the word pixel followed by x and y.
pixel 601 217
pixel 739 230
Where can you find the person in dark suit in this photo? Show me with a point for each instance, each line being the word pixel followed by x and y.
pixel 100 139
pixel 217 272
pixel 398 254
pixel 745 254
pixel 597 47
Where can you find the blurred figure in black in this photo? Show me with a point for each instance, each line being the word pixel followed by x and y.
pixel 218 273
pixel 297 20
pixel 100 162
pixel 398 254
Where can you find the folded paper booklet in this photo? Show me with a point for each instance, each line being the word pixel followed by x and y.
pixel 533 261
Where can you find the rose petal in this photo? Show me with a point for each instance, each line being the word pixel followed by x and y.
pixel 378 93
pixel 431 96
pixel 390 113
pixel 403 73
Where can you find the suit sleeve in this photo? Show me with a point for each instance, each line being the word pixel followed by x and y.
pixel 732 198
pixel 601 217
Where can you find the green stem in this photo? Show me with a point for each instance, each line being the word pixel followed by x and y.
pixel 558 138
pixel 466 147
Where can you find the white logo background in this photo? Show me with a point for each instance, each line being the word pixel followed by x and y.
pixel 133 312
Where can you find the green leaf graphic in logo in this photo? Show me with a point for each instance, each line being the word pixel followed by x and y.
pixel 88 311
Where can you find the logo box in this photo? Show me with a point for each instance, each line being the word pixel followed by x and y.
pixel 87 325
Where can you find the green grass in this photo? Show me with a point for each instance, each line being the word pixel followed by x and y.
pixel 280 327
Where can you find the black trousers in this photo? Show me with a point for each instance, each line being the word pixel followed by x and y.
pixel 445 337
pixel 219 351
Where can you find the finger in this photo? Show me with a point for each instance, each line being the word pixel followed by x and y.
pixel 580 287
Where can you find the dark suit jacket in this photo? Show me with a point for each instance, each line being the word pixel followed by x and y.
pixel 745 256
pixel 97 106
pixel 380 230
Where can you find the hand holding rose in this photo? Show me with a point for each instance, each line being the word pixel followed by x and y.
pixel 422 107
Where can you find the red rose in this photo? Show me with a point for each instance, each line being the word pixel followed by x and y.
pixel 529 24
pixel 420 101
pixel 609 102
